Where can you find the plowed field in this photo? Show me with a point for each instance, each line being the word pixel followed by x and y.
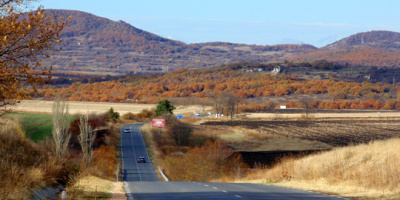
pixel 332 132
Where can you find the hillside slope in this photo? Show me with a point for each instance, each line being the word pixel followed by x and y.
pixel 374 39
pixel 94 43
pixel 374 48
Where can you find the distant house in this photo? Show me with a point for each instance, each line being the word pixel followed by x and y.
pixel 276 70
pixel 283 107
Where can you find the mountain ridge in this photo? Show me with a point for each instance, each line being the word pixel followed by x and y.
pixel 375 39
pixel 98 44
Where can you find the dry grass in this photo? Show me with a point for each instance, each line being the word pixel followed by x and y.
pixel 92 187
pixel 369 171
pixel 98 180
pixel 24 165
pixel 78 107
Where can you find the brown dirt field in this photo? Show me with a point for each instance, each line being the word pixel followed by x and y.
pixel 330 132
pixel 354 114
pixel 77 107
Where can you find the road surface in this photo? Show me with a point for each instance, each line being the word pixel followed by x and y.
pixel 142 183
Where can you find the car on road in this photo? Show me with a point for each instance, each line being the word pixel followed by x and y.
pixel 127 130
pixel 141 159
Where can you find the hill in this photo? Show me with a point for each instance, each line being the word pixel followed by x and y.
pixel 374 39
pixel 374 48
pixel 99 45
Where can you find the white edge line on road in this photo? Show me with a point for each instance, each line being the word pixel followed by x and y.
pixel 162 174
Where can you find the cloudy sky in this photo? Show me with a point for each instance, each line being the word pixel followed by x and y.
pixel 261 22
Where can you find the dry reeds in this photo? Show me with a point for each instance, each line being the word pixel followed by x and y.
pixel 368 167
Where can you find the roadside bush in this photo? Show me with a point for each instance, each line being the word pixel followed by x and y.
pixel 128 116
pixel 26 166
pixel 180 132
pixel 252 107
pixel 144 115
pixel 211 161
pixel 104 159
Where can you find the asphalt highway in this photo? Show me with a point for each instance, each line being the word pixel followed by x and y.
pixel 141 181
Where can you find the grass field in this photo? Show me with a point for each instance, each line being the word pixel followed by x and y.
pixel 36 126
pixel 78 107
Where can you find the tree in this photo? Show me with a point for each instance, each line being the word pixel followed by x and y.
pixel 113 116
pixel 25 41
pixel 86 138
pixel 164 106
pixel 230 102
pixel 61 133
pixel 218 101
pixel 270 105
pixel 306 103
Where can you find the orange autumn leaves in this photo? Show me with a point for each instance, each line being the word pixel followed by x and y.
pixel 25 41
pixel 199 83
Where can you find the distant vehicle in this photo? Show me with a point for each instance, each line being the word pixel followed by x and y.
pixel 196 114
pixel 141 159
pixel 127 130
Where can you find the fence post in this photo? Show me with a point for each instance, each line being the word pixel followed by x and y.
pixel 117 173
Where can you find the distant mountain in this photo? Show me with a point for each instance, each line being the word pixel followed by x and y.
pixel 96 44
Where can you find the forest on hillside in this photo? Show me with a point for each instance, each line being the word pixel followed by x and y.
pixel 231 79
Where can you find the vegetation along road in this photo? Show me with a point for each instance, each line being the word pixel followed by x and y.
pixel 141 181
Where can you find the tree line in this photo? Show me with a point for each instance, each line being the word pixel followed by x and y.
pixel 202 83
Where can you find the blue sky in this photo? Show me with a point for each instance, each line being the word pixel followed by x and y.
pixel 261 22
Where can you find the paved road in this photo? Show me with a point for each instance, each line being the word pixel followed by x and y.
pixel 142 183
pixel 133 146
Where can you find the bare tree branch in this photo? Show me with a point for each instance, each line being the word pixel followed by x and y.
pixel 61 134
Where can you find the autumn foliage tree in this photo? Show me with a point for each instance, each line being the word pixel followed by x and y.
pixel 25 41
pixel 209 162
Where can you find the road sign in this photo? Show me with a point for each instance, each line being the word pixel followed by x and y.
pixel 160 123
pixel 179 116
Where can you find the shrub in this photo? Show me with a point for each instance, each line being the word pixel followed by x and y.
pixel 210 162
pixel 104 159
pixel 144 115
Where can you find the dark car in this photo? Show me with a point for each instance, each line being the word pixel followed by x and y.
pixel 141 159
pixel 127 130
